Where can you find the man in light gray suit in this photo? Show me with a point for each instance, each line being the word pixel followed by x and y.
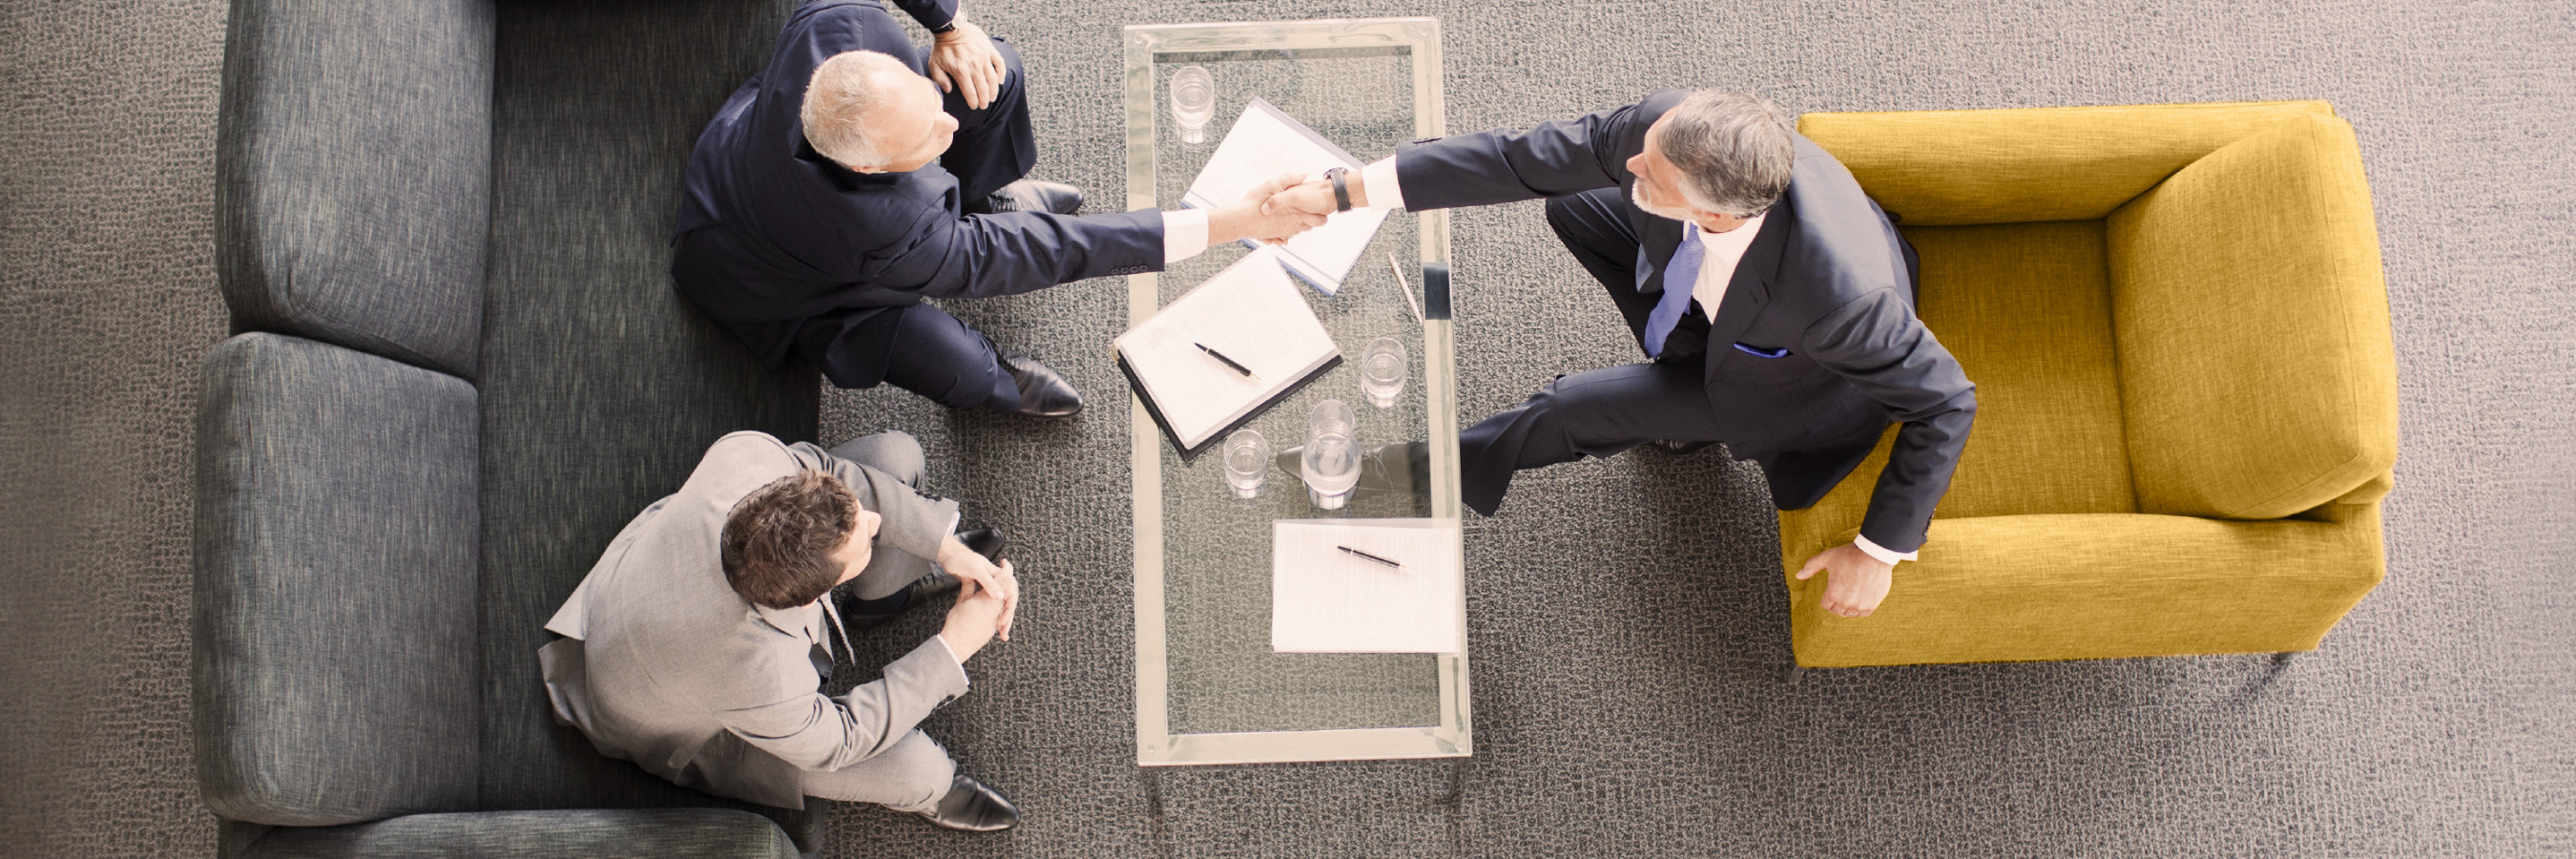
pixel 699 645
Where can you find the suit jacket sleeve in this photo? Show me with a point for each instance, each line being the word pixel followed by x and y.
pixel 1877 344
pixel 977 256
pixel 915 524
pixel 932 14
pixel 818 732
pixel 1555 158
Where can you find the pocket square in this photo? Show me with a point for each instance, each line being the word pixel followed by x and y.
pixel 1761 352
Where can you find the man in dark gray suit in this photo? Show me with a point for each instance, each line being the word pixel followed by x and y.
pixel 1773 299
pixel 699 645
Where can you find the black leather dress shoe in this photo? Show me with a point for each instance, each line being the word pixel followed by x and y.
pixel 855 613
pixel 1043 394
pixel 972 807
pixel 1031 195
pixel 984 541
pixel 1682 448
pixel 1400 469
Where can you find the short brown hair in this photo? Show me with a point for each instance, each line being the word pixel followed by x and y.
pixel 778 542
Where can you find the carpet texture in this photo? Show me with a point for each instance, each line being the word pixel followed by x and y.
pixel 1628 655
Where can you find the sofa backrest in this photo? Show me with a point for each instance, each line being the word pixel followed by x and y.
pixel 353 174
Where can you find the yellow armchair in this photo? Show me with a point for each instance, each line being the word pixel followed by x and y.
pixel 2187 396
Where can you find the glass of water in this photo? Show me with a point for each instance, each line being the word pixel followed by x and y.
pixel 1331 464
pixel 1193 102
pixel 1247 461
pixel 1382 367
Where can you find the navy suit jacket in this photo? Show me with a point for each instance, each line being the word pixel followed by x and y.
pixel 787 238
pixel 1826 279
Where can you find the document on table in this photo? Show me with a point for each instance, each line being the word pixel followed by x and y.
pixel 1265 142
pixel 1326 600
pixel 1219 354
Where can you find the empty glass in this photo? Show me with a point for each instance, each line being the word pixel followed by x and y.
pixel 1331 464
pixel 1193 102
pixel 1382 371
pixel 1247 461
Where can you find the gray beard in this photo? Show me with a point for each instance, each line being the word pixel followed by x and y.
pixel 1658 210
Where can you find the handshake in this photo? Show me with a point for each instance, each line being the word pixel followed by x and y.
pixel 1276 210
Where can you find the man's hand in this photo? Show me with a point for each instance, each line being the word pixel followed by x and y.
pixel 1249 220
pixel 975 569
pixel 1854 581
pixel 1313 198
pixel 978 614
pixel 965 58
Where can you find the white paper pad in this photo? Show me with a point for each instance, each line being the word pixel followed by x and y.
pixel 1251 313
pixel 1264 143
pixel 1323 600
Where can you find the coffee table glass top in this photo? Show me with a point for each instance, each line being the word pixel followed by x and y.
pixel 1209 689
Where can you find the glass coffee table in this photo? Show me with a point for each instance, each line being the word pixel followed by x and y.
pixel 1209 689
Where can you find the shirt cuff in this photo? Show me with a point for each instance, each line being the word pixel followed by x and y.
pixel 1883 555
pixel 964 682
pixel 1185 234
pixel 1384 192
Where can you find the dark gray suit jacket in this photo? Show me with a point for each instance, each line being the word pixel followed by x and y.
pixel 662 664
pixel 1827 279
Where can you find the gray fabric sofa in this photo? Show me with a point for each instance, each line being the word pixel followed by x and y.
pixel 459 368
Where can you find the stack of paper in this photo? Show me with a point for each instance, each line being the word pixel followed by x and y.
pixel 1264 143
pixel 1249 314
pixel 1326 600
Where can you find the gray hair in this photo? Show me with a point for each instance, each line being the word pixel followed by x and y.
pixel 838 99
pixel 1733 149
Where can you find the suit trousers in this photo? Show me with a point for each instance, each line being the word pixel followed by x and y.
pixel 915 772
pixel 1597 412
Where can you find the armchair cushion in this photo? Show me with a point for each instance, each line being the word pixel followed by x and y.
pixel 2256 371
pixel 334 628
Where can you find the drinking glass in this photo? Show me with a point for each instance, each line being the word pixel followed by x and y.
pixel 1193 102
pixel 1247 461
pixel 1331 464
pixel 1382 371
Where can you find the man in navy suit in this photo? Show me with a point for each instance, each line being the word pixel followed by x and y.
pixel 1774 302
pixel 854 177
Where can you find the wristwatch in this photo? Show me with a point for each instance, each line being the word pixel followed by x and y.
pixel 953 21
pixel 1341 191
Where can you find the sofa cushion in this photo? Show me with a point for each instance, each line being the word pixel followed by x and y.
pixel 2256 369
pixel 677 833
pixel 353 174
pixel 602 388
pixel 334 656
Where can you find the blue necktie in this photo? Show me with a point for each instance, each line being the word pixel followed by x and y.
pixel 1681 277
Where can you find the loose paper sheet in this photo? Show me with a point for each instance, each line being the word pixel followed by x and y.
pixel 1323 600
pixel 1264 143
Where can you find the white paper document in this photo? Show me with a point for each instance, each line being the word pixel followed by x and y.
pixel 1250 314
pixel 1265 142
pixel 1326 600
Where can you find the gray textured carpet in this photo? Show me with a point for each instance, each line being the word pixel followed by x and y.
pixel 1628 656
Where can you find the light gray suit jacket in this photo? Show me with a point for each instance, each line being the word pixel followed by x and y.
pixel 662 664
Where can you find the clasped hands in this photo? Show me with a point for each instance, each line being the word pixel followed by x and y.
pixel 988 597
pixel 1274 211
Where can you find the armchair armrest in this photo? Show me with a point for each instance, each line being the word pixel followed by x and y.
pixel 2257 375
pixel 682 833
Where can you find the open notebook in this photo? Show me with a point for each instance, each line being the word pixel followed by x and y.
pixel 1249 313
pixel 1265 142
pixel 1325 599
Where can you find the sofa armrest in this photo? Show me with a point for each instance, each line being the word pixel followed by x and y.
pixel 2257 374
pixel 681 833
pixel 353 174
pixel 333 662
pixel 2098 586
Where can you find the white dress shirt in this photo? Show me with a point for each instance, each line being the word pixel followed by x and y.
pixel 1719 255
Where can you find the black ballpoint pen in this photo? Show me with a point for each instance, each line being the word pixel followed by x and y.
pixel 1370 557
pixel 1229 362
